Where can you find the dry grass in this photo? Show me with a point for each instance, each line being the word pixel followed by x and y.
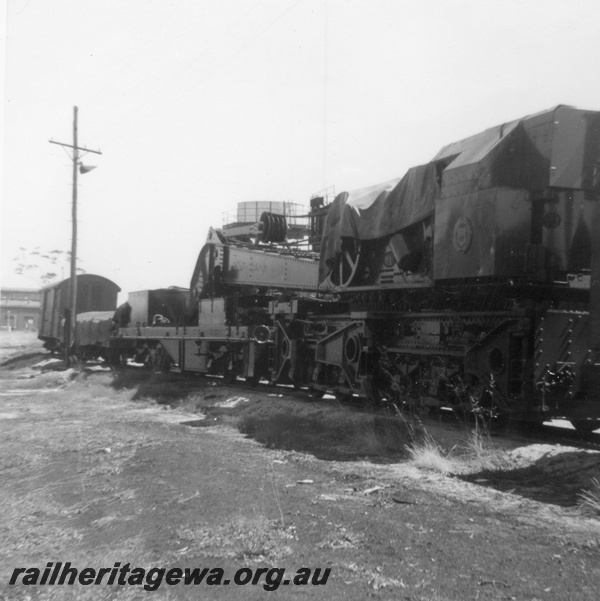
pixel 481 454
pixel 243 538
pixel 427 454
pixel 590 497
pixel 477 453
pixel 61 475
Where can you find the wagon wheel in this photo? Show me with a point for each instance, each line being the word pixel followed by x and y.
pixel 346 264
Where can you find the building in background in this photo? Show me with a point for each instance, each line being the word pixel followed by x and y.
pixel 19 304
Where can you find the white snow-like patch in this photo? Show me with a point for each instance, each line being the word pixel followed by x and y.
pixel 554 459
pixel 232 402
pixel 47 362
pixel 562 423
pixel 27 391
pixel 8 416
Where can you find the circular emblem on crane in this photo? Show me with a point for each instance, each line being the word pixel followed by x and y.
pixel 462 235
pixel 389 260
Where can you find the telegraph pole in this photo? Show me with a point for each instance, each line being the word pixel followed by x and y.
pixel 70 322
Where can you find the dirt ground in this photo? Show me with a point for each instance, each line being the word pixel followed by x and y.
pixel 98 468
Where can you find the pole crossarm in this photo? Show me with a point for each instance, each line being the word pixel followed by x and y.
pixel 75 147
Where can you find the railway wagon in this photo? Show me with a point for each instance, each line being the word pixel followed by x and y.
pixel 94 293
pixel 469 283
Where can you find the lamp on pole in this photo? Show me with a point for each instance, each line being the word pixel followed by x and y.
pixel 70 311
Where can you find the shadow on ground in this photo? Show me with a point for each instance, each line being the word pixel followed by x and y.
pixel 291 422
pixel 556 478
pixel 25 360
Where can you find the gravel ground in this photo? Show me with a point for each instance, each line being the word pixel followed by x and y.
pixel 95 472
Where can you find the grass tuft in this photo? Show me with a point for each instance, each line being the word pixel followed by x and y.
pixel 428 454
pixel 591 497
pixel 245 538
pixel 476 454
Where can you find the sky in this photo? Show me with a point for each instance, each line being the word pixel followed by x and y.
pixel 197 105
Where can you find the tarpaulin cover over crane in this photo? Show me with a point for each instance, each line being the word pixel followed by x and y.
pixel 378 211
pixel 558 148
